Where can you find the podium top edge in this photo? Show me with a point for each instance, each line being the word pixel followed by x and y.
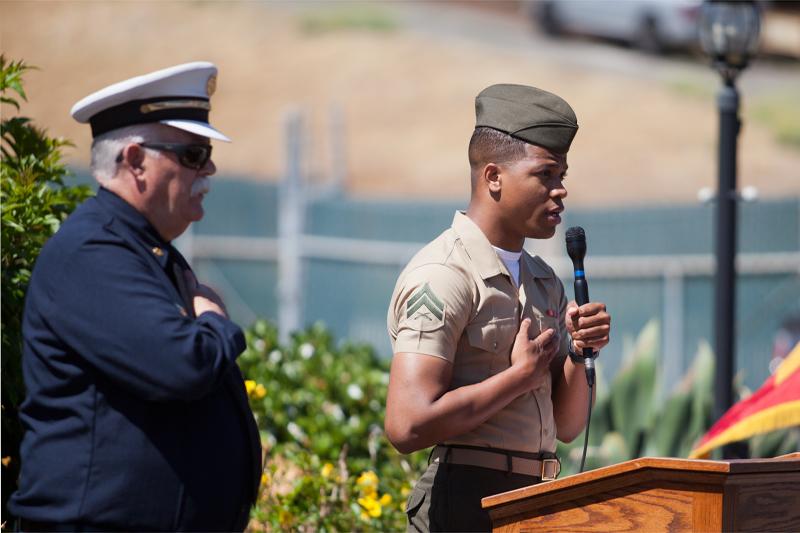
pixel 786 463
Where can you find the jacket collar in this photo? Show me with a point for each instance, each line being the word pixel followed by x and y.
pixel 136 224
pixel 483 255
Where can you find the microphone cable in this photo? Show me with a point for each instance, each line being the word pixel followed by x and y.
pixel 588 423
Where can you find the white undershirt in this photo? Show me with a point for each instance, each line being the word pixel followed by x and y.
pixel 511 260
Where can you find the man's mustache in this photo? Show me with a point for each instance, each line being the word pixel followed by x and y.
pixel 201 186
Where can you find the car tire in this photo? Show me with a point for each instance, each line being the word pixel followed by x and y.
pixel 547 19
pixel 647 37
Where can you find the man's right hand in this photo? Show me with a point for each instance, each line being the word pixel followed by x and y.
pixel 204 298
pixel 533 356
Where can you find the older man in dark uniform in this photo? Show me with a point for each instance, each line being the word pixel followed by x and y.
pixel 136 415
pixel 481 329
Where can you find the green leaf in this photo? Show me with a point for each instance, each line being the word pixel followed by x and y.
pixel 669 433
pixel 9 101
pixel 775 443
pixel 633 390
pixel 33 201
pixel 702 373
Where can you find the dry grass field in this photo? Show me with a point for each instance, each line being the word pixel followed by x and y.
pixel 406 95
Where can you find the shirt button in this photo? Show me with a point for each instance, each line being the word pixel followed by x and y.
pixel 158 251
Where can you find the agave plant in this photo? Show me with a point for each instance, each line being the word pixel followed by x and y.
pixel 628 420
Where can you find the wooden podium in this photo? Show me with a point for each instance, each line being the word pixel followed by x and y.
pixel 659 494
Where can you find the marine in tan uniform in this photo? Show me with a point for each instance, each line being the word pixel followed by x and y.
pixel 481 330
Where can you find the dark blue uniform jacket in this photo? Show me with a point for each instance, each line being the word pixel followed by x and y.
pixel 136 415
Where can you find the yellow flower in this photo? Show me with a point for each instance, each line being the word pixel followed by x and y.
pixel 405 491
pixel 260 391
pixel 386 499
pixel 371 505
pixel 284 516
pixel 364 516
pixel 367 479
pixel 264 478
pixel 327 469
pixel 254 389
pixel 366 503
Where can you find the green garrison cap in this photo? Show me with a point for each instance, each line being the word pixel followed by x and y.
pixel 527 113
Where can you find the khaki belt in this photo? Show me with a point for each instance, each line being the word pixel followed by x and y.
pixel 545 469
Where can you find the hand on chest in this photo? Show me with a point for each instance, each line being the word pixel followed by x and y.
pixel 501 307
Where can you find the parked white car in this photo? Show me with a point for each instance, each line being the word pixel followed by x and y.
pixel 650 25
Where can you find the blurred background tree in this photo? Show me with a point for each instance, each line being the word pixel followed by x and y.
pixel 35 200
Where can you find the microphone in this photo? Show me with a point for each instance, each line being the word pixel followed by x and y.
pixel 576 249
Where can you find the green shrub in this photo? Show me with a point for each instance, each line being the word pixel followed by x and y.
pixel 35 200
pixel 347 18
pixel 300 492
pixel 320 409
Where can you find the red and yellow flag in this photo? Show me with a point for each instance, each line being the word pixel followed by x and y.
pixel 775 405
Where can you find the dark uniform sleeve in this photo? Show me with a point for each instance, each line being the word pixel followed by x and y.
pixel 116 312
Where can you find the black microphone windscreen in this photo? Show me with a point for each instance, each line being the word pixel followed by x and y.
pixel 576 233
pixel 576 245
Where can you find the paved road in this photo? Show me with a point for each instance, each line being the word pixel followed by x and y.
pixel 515 31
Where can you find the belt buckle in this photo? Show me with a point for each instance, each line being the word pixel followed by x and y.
pixel 550 474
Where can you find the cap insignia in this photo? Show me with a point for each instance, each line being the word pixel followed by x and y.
pixel 211 85
pixel 175 104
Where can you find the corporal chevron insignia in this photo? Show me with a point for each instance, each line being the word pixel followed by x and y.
pixel 425 297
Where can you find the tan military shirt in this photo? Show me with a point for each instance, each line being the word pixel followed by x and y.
pixel 456 300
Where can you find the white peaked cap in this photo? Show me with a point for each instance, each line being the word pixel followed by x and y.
pixel 178 96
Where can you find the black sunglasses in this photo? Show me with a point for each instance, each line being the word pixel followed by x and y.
pixel 194 156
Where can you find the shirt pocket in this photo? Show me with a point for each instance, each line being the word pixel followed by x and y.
pixel 495 336
pixel 545 322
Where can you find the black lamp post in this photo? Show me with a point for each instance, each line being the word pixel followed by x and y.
pixel 729 35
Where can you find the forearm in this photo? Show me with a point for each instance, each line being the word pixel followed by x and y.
pixel 159 352
pixel 413 424
pixel 570 401
pixel 422 409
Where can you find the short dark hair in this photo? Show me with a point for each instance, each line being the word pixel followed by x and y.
pixel 489 145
